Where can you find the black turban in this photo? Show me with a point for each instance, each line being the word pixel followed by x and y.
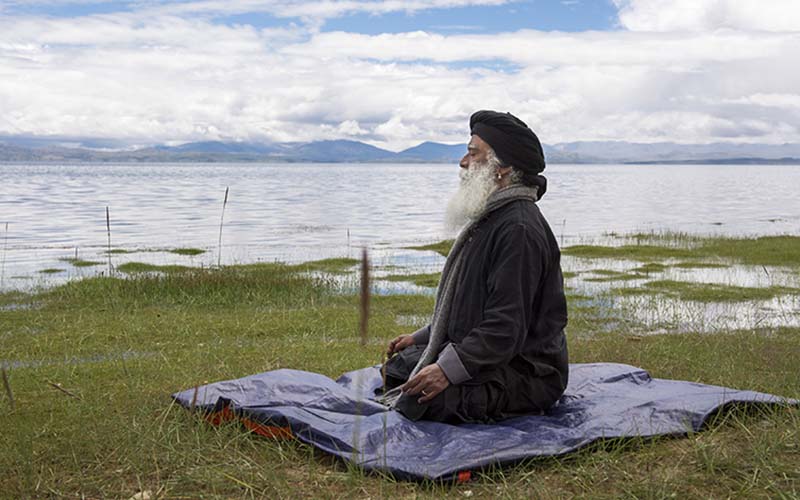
pixel 513 143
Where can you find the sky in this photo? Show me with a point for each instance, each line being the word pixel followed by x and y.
pixel 396 73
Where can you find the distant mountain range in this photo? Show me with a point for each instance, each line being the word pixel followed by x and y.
pixel 17 149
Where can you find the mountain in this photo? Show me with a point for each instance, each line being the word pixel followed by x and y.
pixel 221 147
pixel 669 152
pixel 337 151
pixel 433 152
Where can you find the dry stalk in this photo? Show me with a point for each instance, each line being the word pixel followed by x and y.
pixel 108 231
pixel 7 385
pixel 3 267
pixel 364 296
pixel 194 398
pixel 65 391
pixel 221 220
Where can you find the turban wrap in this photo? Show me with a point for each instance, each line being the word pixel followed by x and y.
pixel 514 144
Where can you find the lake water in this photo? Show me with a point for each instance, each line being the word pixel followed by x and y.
pixel 297 212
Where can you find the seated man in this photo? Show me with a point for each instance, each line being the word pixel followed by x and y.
pixel 495 347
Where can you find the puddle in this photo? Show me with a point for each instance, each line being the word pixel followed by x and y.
pixel 663 315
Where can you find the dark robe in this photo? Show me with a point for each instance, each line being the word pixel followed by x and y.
pixel 506 352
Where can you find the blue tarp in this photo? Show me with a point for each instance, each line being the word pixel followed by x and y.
pixel 603 400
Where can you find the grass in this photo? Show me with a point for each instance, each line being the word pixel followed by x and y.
pixel 139 338
pixel 80 262
pixel 338 265
pixel 707 292
pixel 607 275
pixel 762 251
pixel 142 267
pixel 51 270
pixel 187 251
pixel 441 247
pixel 632 252
pixel 430 280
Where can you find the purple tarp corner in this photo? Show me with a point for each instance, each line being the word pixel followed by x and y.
pixel 603 400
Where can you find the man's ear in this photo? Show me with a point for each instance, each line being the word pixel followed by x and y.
pixel 504 171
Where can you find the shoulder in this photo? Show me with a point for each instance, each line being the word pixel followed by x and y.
pixel 519 215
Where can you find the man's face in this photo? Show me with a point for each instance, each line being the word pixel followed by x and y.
pixel 477 150
pixel 477 184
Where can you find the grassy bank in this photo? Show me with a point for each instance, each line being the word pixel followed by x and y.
pixel 91 365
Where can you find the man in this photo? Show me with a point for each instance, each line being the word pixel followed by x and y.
pixel 495 347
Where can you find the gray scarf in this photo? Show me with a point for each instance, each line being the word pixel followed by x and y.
pixel 447 283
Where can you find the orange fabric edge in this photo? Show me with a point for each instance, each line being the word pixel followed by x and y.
pixel 220 417
pixel 270 431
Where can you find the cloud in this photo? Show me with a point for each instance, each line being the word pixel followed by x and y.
pixel 163 77
pixel 705 15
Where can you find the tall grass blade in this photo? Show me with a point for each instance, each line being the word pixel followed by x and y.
pixel 221 221
pixel 108 231
pixel 7 386
pixel 364 296
pixel 3 266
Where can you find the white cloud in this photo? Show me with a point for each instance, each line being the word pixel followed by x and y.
pixel 705 15
pixel 148 77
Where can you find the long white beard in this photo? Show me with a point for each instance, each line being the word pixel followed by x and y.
pixel 477 183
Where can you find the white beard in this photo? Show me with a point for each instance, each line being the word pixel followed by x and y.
pixel 477 183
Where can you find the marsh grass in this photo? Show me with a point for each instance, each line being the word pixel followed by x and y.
pixel 187 328
pixel 142 267
pixel 187 251
pixel 762 251
pixel 51 270
pixel 76 262
pixel 442 247
pixel 336 265
pixel 430 280
pixel 707 292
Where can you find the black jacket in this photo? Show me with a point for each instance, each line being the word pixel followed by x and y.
pixel 509 306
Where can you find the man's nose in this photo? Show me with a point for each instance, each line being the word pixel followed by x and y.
pixel 464 163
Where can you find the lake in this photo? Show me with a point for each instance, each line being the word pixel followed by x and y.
pixel 297 212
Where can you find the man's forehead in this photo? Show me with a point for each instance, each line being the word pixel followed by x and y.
pixel 476 143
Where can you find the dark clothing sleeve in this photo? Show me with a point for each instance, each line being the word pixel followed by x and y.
pixel 422 335
pixel 517 264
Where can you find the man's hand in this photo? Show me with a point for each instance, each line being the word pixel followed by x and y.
pixel 399 343
pixel 429 382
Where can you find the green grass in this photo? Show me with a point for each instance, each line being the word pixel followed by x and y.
pixel 430 280
pixel 632 252
pixel 442 247
pixel 80 262
pixel 700 265
pixel 187 251
pixel 607 275
pixel 142 267
pixel 186 328
pixel 707 292
pixel 51 270
pixel 338 265
pixel 650 267
pixel 762 251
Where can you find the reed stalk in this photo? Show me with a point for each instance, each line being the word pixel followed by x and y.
pixel 3 266
pixel 65 391
pixel 364 296
pixel 108 231
pixel 7 386
pixel 221 221
pixel 194 398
